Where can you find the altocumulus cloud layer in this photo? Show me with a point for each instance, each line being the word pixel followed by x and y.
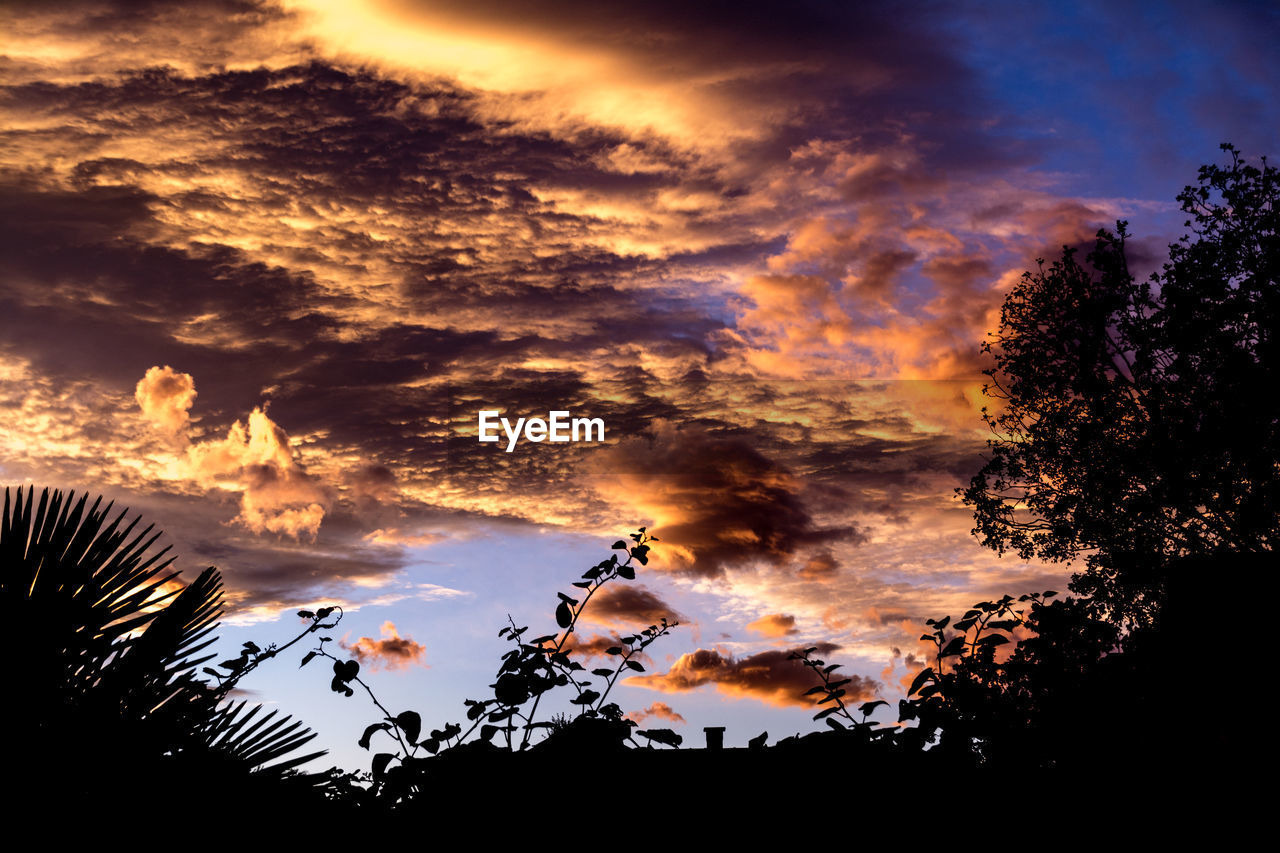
pixel 263 263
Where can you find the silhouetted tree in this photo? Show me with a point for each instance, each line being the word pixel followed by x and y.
pixel 1136 422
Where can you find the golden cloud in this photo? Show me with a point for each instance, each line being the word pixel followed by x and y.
pixel 771 676
pixel 391 651
pixel 774 625
pixel 166 397
pixel 657 710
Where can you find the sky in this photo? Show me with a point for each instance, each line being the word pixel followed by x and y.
pixel 265 262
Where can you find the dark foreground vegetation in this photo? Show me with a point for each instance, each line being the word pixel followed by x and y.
pixel 1135 429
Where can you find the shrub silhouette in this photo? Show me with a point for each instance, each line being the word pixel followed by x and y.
pixel 505 723
pixel 106 708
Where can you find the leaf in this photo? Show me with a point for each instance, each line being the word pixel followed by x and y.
pixel 306 659
pixel 431 745
pixel 585 698
pixel 993 640
pixel 868 707
pixel 836 724
pixel 613 650
pixel 571 601
pixel 411 724
pixel 603 673
pixel 511 689
pixel 564 616
pixel 380 762
pixel 634 665
pixel 921 677
pixel 955 647
pixel 621 544
pixel 368 733
pixel 627 572
pixel 667 737
pixel 306 614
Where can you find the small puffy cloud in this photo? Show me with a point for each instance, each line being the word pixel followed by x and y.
pixel 774 625
pixel 166 396
pixel 821 566
pixel 598 645
pixel 658 710
pixel 771 676
pixel 390 652
pixel 593 646
pixel 629 606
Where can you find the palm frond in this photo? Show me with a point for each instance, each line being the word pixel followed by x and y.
pixel 114 673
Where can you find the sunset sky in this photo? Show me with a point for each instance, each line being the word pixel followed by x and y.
pixel 264 263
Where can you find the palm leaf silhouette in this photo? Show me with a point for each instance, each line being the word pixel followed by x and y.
pixel 110 642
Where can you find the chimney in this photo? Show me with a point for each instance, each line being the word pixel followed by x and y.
pixel 715 737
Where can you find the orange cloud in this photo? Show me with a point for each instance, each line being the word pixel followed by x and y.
pixel 771 677
pixel 276 494
pixel 659 710
pixel 166 397
pixel 598 645
pixel 721 503
pixel 390 652
pixel 821 566
pixel 629 606
pixel 774 625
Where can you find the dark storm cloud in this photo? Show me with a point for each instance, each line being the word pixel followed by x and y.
pixel 727 503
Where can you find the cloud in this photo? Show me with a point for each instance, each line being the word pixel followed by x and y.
pixel 647 214
pixel 166 397
pixel 276 494
pixel 657 710
pixel 719 502
pixel 398 537
pixel 820 566
pixel 390 652
pixel 629 606
pixel 774 625
pixel 770 676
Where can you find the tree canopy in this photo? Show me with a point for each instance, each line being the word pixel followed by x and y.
pixel 1135 422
